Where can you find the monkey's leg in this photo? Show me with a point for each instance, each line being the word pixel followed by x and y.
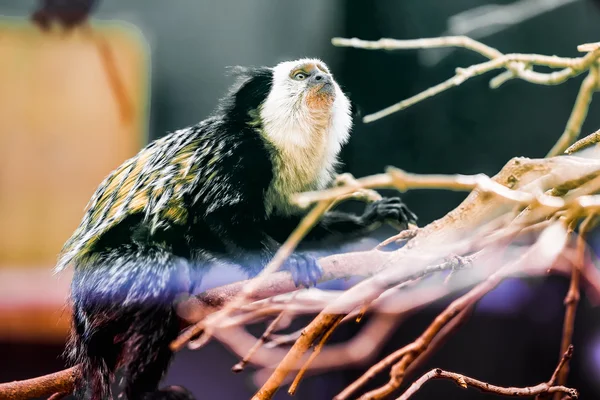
pixel 95 350
pixel 147 355
pixel 124 303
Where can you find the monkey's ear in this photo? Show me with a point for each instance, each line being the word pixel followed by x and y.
pixel 250 89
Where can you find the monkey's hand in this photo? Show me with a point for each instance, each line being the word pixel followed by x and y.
pixel 304 269
pixel 390 209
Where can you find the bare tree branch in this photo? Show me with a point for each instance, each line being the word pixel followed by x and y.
pixel 465 381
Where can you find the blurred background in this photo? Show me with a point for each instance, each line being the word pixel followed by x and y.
pixel 74 105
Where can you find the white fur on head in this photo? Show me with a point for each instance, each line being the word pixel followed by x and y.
pixel 307 137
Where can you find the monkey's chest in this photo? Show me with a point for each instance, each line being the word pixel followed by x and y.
pixel 295 173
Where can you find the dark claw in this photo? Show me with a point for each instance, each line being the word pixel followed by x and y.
pixel 388 209
pixel 304 269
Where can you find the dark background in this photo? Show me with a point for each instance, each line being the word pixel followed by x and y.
pixel 514 336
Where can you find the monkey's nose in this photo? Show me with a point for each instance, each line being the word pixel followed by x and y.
pixel 321 78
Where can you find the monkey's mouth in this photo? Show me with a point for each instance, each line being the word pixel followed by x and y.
pixel 321 96
pixel 326 87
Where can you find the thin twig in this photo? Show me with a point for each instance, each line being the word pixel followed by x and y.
pixel 515 63
pixel 564 359
pixel 578 114
pixel 315 353
pixel 440 339
pixel 572 299
pixel 289 362
pixel 267 333
pixel 374 370
pixel 402 180
pixel 587 47
pixel 465 381
pixel 282 340
pixel 588 141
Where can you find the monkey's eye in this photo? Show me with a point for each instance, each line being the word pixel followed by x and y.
pixel 300 76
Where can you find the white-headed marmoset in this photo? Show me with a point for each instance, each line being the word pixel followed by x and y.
pixel 218 190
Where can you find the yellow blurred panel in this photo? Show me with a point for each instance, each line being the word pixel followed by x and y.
pixel 73 106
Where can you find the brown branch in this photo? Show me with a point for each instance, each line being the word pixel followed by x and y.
pixel 315 353
pixel 58 382
pixel 588 47
pixel 282 340
pixel 289 362
pixel 357 351
pixel 374 370
pixel 398 354
pixel 563 360
pixel 420 345
pixel 572 300
pixel 465 381
pixel 261 341
pixel 578 114
pixel 440 339
pixel 401 180
pixel 588 141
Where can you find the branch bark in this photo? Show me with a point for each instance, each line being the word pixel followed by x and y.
pixel 47 385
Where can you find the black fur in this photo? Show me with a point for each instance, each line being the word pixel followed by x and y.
pixel 132 261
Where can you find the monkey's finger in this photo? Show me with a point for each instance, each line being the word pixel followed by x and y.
pixel 315 272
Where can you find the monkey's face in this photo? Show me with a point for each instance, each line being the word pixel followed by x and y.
pixel 312 82
pixel 306 105
pixel 306 85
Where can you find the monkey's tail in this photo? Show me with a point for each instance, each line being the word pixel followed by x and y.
pixel 124 318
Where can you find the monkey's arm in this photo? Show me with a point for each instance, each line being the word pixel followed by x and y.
pixel 251 247
pixel 342 225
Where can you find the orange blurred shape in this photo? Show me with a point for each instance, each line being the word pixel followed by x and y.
pixel 73 106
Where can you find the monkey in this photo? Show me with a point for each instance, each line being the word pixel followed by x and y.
pixel 220 190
